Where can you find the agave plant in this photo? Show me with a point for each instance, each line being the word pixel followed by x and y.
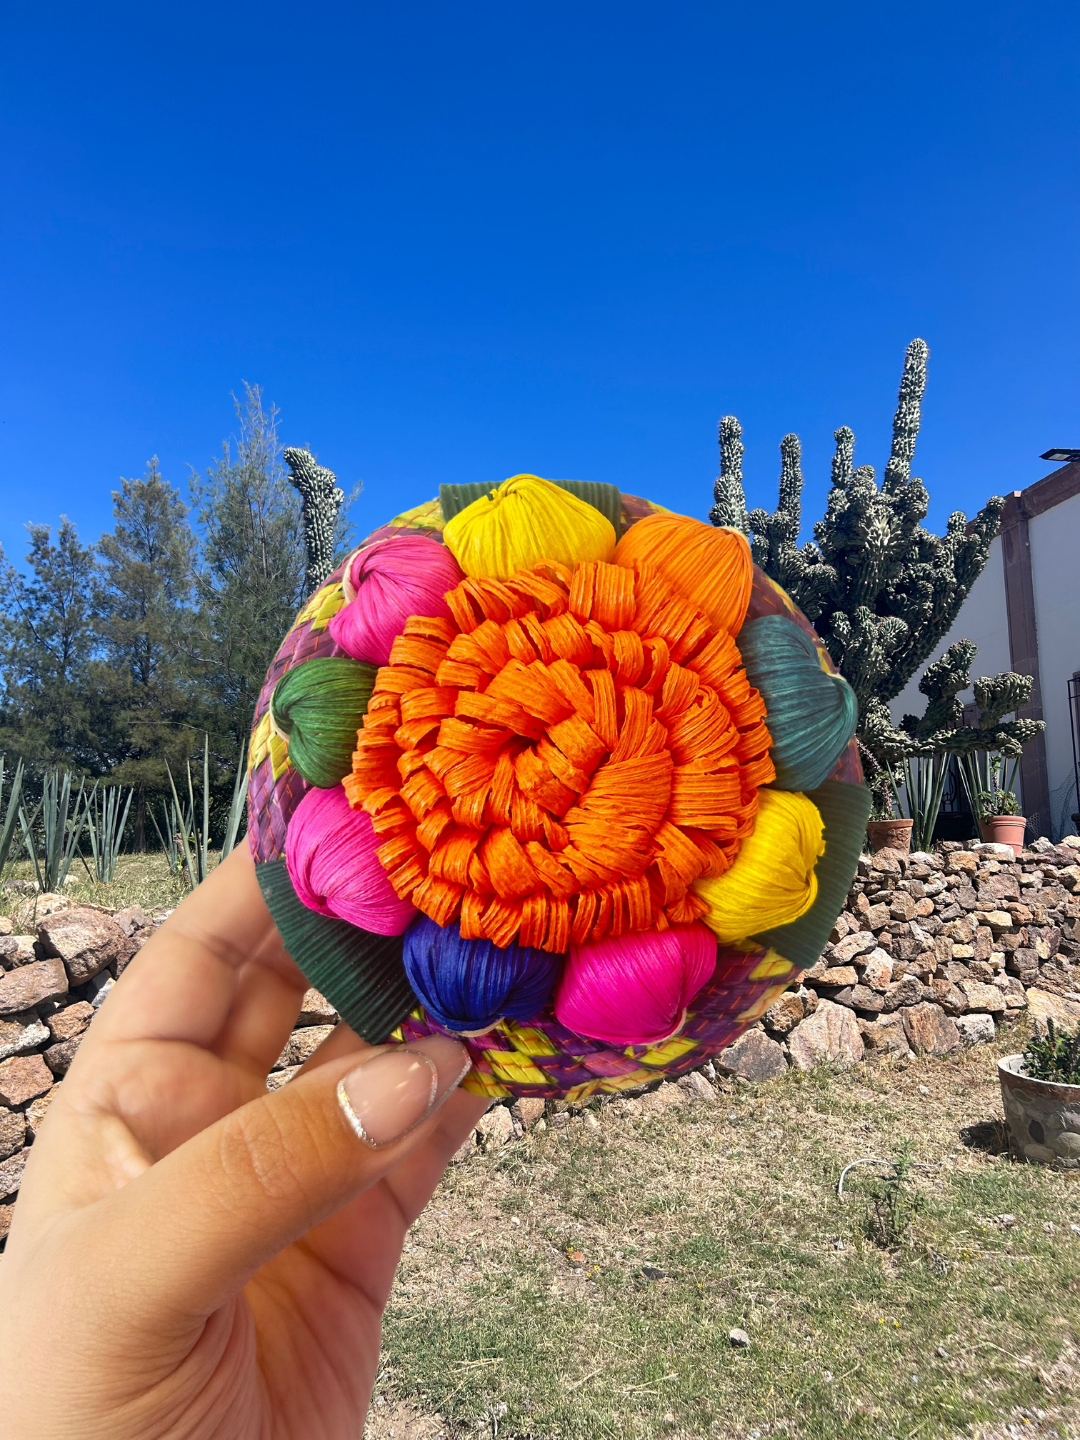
pixel 107 813
pixel 10 813
pixel 58 825
pixel 185 840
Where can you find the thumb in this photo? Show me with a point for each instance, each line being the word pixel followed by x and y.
pixel 203 1219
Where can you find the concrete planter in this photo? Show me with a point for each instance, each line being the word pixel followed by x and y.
pixel 1043 1117
pixel 889 834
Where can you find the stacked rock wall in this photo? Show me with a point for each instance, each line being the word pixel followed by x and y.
pixel 932 952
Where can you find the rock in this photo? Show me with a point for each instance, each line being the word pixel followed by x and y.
pixel 785 1014
pixel 929 1030
pixel 23 1078
pixel 924 908
pixel 132 918
pixel 32 911
pixel 839 976
pixel 903 907
pixel 695 1084
pixel 35 1112
pixel 315 1009
pixel 302 1044
pixel 32 984
pixel 888 861
pixel 99 990
pixel 1071 842
pixel 884 1038
pixel 1069 877
pixel 981 996
pixel 926 858
pixel 86 940
pixel 975 1029
pixel 19 1034
pixel 1013 990
pixel 863 998
pixel 59 1056
pixel 949 996
pixel 1043 1006
pixel 830 1034
pixel 6 926
pixel 877 973
pixel 12 1132
pixel 1023 962
pixel 739 1339
pixel 995 888
pixel 11 1172
pixel 70 1021
pixel 960 932
pixel 877 917
pixel 754 1056
pixel 858 944
pixel 277 1078
pixel 961 862
pixel 6 1212
pixel 16 950
pixel 495 1128
pixel 529 1109
pixel 990 850
pixel 905 991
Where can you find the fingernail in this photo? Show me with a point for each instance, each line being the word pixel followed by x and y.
pixel 389 1095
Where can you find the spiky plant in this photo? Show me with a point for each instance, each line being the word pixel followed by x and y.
pixel 320 501
pixel 881 589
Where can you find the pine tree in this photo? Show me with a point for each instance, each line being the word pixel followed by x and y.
pixel 250 577
pixel 48 710
pixel 144 621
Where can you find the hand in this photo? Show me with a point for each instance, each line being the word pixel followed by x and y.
pixel 191 1256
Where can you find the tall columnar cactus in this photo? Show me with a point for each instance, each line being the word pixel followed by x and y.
pixel 320 501
pixel 881 590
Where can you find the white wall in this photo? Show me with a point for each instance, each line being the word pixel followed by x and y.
pixel 983 618
pixel 1055 574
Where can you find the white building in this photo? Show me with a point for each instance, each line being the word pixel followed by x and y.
pixel 1024 614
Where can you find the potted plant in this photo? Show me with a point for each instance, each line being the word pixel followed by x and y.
pixel 1040 1091
pixel 885 829
pixel 989 784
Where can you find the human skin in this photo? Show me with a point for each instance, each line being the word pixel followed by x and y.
pixel 190 1256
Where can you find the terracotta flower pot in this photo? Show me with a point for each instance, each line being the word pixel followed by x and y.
pixel 889 834
pixel 1004 830
pixel 1043 1117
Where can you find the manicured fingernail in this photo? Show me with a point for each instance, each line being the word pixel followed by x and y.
pixel 389 1095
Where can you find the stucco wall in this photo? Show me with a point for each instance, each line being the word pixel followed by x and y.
pixel 1055 575
pixel 982 618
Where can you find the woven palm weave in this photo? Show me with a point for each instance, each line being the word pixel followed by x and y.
pixel 543 1058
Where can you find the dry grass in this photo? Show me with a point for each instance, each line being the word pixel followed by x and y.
pixel 144 880
pixel 524 1308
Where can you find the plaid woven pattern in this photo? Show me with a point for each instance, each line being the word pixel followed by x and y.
pixel 543 1058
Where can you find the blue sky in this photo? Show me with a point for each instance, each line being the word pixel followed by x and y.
pixel 456 242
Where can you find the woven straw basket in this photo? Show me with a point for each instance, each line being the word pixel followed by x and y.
pixel 363 975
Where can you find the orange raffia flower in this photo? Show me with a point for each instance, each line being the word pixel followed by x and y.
pixel 561 759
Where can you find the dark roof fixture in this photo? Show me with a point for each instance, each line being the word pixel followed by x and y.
pixel 1063 457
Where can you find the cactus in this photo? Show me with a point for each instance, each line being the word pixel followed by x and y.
pixel 881 590
pixel 320 501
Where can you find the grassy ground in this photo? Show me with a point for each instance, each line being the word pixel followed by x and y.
pixel 582 1283
pixel 140 880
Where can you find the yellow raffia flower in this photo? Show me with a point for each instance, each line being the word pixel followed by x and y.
pixel 772 880
pixel 524 520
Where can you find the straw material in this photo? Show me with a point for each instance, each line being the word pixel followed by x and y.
pixel 812 713
pixel 540 1058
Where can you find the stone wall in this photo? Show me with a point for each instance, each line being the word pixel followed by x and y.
pixel 932 952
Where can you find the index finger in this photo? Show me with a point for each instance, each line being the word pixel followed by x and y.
pixel 220 944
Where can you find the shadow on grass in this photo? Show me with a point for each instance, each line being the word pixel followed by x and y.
pixel 989 1137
